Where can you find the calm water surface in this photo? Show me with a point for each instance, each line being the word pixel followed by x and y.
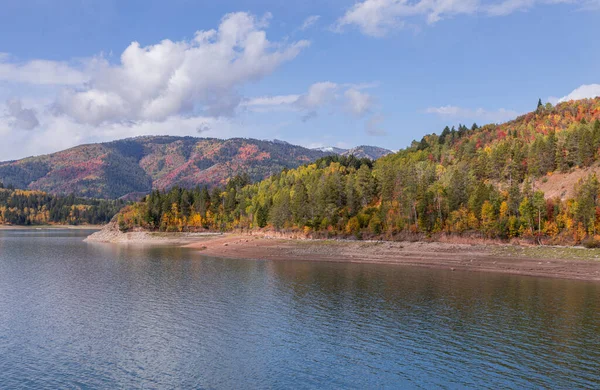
pixel 77 315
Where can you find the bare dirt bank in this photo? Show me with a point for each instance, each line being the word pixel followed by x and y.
pixel 553 262
pixel 571 263
pixel 111 234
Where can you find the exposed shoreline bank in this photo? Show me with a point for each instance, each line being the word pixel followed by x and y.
pixel 551 262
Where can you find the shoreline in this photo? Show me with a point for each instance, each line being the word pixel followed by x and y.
pixel 549 262
pixel 454 257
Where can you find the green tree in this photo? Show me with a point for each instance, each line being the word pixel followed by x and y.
pixel 539 203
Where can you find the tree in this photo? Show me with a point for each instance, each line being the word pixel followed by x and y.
pixel 526 211
pixel 262 216
pixel 299 203
pixel 539 203
pixel 364 185
pixel 586 199
pixel 280 211
pixel 487 218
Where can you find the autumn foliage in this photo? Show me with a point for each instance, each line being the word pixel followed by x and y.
pixel 477 181
pixel 24 207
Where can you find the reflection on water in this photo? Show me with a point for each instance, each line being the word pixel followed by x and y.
pixel 90 315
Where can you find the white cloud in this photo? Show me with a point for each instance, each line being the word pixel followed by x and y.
pixel 379 17
pixel 40 72
pixel 172 78
pixel 495 116
pixel 590 5
pixel 270 103
pixel 359 103
pixel 583 92
pixel 271 100
pixel 19 117
pixel 346 97
pixel 309 22
pixel 184 87
pixel 318 95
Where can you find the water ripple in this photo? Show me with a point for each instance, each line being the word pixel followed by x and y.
pixel 76 315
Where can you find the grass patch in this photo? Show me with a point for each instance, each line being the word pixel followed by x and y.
pixel 548 252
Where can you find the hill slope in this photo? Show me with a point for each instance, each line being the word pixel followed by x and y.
pixel 483 181
pixel 137 165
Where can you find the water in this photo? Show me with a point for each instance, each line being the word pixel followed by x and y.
pixel 77 315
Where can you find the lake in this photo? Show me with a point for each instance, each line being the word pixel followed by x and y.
pixel 86 315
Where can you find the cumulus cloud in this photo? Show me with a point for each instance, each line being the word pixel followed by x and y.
pixel 318 95
pixel 19 117
pixel 583 92
pixel 185 87
pixel 359 103
pixel 495 116
pixel 40 72
pixel 347 97
pixel 379 17
pixel 309 22
pixel 171 78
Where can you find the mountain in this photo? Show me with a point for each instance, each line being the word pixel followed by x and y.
pixel 532 179
pixel 364 151
pixel 370 152
pixel 137 165
pixel 331 150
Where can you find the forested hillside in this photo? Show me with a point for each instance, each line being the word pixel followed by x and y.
pixel 137 165
pixel 477 180
pixel 20 207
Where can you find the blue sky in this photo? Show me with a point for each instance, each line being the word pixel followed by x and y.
pixel 315 73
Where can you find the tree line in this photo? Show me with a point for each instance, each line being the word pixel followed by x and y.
pixel 24 207
pixel 479 181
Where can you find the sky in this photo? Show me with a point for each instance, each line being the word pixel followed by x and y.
pixel 313 72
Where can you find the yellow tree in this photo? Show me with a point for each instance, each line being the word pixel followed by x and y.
pixel 487 218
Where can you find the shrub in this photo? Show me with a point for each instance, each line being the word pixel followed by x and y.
pixel 375 225
pixel 591 243
pixel 123 226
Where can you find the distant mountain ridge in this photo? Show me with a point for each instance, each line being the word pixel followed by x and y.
pixel 138 165
pixel 370 152
pixel 363 151
pixel 331 149
pixel 132 167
